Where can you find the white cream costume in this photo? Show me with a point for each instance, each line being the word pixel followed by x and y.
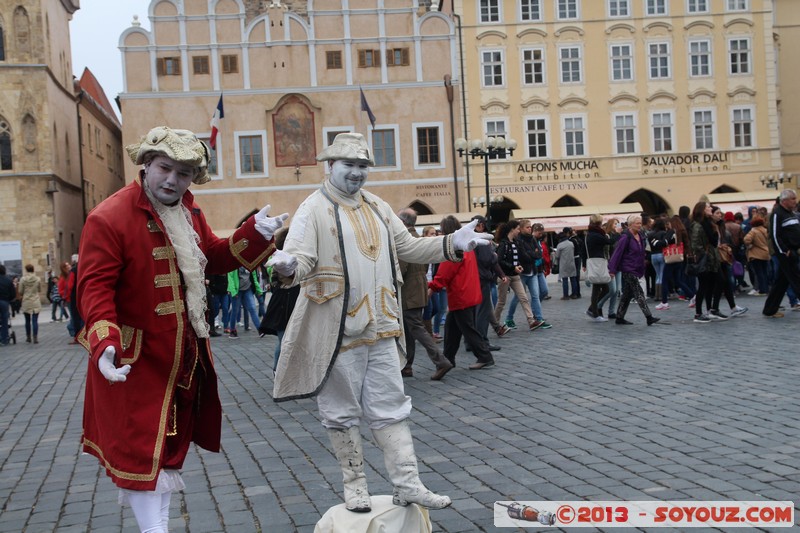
pixel 347 250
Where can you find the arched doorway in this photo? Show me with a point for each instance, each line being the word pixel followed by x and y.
pixel 421 208
pixel 652 203
pixel 501 210
pixel 723 189
pixel 566 201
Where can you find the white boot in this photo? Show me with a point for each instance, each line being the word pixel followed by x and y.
pixel 347 447
pixel 401 464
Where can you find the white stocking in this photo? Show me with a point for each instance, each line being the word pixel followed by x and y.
pixel 165 498
pixel 147 507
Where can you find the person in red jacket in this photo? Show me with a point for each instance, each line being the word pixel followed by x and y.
pixel 463 296
pixel 151 388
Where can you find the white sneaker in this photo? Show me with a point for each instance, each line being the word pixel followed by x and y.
pixel 600 319
pixel 738 310
pixel 662 307
pixel 753 292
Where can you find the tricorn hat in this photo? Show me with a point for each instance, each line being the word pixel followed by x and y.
pixel 348 146
pixel 182 146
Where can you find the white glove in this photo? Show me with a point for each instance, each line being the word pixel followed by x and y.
pixel 106 366
pixel 267 226
pixel 283 263
pixel 466 239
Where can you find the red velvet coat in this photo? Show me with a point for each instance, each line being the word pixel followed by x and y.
pixel 130 295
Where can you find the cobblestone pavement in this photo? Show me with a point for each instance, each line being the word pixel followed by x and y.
pixel 583 411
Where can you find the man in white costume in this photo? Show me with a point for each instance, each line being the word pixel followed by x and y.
pixel 344 342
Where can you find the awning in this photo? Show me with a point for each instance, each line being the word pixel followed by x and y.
pixel 433 220
pixel 576 217
pixel 738 202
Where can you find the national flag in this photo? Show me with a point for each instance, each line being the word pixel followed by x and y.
pixel 219 113
pixel 365 107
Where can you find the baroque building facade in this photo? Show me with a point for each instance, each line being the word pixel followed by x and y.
pixel 41 212
pixel 291 76
pixel 615 101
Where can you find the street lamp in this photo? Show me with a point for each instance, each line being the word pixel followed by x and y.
pixel 771 181
pixel 489 148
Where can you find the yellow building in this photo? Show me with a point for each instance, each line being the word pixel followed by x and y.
pixel 41 213
pixel 617 101
pixel 290 79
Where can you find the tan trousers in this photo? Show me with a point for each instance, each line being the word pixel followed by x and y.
pixel 519 290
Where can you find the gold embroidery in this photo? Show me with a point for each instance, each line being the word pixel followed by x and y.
pixel 370 342
pixel 364 301
pixel 320 288
pixel 174 429
pixel 366 230
pixel 82 340
pixel 237 247
pixel 100 328
pixel 131 337
pixel 163 252
pixel 167 280
pixel 152 226
pixel 170 308
pixel 384 307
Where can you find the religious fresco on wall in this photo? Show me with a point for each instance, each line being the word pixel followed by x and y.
pixel 295 143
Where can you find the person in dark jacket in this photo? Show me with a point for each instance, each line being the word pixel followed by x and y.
pixel 784 236
pixel 508 255
pixel 7 295
pixel 597 242
pixel 488 271
pixel 629 258
pixel 529 253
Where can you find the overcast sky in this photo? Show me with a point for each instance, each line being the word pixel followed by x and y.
pixel 94 30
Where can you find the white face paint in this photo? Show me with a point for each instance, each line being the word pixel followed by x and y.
pixel 349 175
pixel 168 179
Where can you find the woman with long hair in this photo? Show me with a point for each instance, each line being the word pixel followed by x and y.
pixel 757 243
pixel 29 292
pixel 597 243
pixel 629 258
pixel 725 282
pixel 674 273
pixel 612 228
pixel 704 239
pixel 657 240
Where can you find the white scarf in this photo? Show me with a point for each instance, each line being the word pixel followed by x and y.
pixel 191 260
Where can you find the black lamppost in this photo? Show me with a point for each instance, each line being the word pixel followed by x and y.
pixel 772 181
pixel 491 147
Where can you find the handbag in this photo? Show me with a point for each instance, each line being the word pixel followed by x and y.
pixel 698 265
pixel 738 269
pixel 597 270
pixel 673 253
pixel 725 253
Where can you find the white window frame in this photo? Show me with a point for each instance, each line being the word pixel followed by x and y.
pixel 504 133
pixel 633 128
pixel 566 4
pixel 561 62
pixel 713 113
pixel 397 155
pixel 654 4
pixel 748 51
pixel 543 62
pixel 752 111
pixel 532 3
pixel 612 59
pixel 733 5
pixel 265 153
pixel 440 126
pixel 547 137
pixel 494 5
pixel 653 127
pixel 692 6
pixel 619 6
pixel 650 57
pixel 710 55
pixel 502 64
pixel 206 137
pixel 326 133
pixel 564 131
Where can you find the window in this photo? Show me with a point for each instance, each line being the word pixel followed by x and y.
pixel 700 58
pixel 625 134
pixel 619 8
pixel 656 7
pixel 230 64
pixel 168 66
pixel 490 10
pixel 89 137
pixel 697 6
pixel 743 128
pixel 5 145
pixel 536 133
pixel 250 155
pixel 659 60
pixel 428 146
pixel 97 142
pixel 492 66
pixel 567 9
pixel 369 58
pixel 737 5
pixel 333 59
pixel 739 54
pixel 662 131
pixel 496 128
pixel 530 10
pixel 396 57
pixel 621 62
pixel 569 58
pixel 2 45
pixel 574 136
pixel 383 149
pixel 703 129
pixel 533 66
pixel 213 168
pixel 200 64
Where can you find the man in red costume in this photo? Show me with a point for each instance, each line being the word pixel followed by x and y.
pixel 151 388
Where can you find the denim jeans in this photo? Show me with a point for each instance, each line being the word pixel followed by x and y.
pixel 244 300
pixel 441 309
pixel 611 297
pixel 31 324
pixel 221 302
pixel 4 315
pixel 543 291
pixel 658 265
pixel 532 284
